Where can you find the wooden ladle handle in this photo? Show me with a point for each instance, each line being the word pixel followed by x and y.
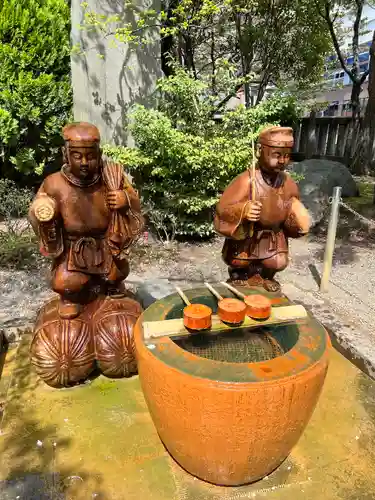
pixel 213 291
pixel 232 289
pixel 183 296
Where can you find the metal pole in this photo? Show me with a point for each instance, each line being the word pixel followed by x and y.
pixel 331 237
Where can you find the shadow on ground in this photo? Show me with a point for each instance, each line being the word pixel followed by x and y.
pixel 351 235
pixel 29 451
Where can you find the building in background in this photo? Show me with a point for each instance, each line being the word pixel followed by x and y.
pixel 338 87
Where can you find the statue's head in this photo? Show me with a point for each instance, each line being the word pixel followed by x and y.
pixel 82 150
pixel 275 145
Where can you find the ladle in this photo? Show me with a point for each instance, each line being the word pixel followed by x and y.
pixel 229 310
pixel 196 316
pixel 257 306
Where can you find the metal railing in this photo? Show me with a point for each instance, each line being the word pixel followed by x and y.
pixel 336 202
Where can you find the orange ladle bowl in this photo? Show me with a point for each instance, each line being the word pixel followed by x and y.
pixel 232 311
pixel 257 306
pixel 197 317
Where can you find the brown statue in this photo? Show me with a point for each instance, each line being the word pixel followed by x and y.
pixel 259 211
pixel 86 216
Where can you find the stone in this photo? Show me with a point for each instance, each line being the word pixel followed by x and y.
pixel 151 290
pixel 320 177
pixel 108 77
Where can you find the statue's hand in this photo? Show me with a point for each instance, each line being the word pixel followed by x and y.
pixel 300 215
pixel 253 210
pixel 116 200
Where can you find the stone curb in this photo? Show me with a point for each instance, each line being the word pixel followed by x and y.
pixel 356 345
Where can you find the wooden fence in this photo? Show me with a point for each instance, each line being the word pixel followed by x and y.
pixel 324 137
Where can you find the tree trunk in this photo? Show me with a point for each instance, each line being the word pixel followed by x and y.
pixel 247 95
pixel 167 43
pixel 370 110
pixel 354 99
pixel 189 54
pixel 246 52
pixel 213 64
pixel 364 157
pixel 351 147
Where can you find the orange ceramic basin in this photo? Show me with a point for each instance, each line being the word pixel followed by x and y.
pixel 231 423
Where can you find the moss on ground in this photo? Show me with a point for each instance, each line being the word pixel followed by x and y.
pixel 365 199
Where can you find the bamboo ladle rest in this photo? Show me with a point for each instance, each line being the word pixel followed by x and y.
pixel 153 331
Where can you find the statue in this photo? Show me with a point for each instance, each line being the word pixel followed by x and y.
pixel 258 222
pixel 87 216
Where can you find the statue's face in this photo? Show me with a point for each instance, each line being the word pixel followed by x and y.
pixel 274 160
pixel 84 162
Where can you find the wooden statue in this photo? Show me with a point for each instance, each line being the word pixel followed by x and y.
pixel 86 216
pixel 259 211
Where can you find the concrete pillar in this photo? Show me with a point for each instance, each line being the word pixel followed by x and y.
pixel 108 81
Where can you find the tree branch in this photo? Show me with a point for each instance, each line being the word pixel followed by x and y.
pixel 364 76
pixel 213 62
pixel 228 97
pixel 327 17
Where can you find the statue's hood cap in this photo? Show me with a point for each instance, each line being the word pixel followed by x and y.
pixel 279 137
pixel 81 133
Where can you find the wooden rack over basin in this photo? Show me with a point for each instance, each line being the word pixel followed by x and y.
pixel 152 330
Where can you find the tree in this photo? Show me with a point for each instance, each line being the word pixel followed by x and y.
pixel 230 43
pixel 184 160
pixel 262 39
pixel 333 12
pixel 361 144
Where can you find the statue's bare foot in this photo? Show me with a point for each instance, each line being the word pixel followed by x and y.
pixel 272 286
pixel 69 310
pixel 255 280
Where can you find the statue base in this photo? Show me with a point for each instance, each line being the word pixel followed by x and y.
pixel 66 352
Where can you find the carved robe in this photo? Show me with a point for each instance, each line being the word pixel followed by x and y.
pixel 79 235
pixel 271 232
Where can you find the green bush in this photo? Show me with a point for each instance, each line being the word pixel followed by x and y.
pixel 14 201
pixel 18 244
pixel 19 251
pixel 35 92
pixel 14 205
pixel 184 159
